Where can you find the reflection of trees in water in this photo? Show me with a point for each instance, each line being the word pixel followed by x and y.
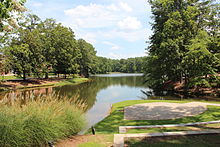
pixel 85 92
pixel 23 96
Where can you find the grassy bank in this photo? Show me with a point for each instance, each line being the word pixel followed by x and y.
pixel 111 123
pixel 3 78
pixel 39 121
pixel 73 81
pixel 109 126
pixel 33 83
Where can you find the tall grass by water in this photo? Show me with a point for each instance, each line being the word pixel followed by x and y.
pixel 43 119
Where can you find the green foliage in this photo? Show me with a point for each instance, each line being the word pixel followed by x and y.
pixel 49 47
pixel 7 7
pixel 87 62
pixel 20 58
pixel 130 65
pixel 184 43
pixel 199 82
pixel 38 122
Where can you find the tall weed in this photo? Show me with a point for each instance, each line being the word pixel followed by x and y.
pixel 39 120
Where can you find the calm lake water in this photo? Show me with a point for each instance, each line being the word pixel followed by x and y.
pixel 103 91
pixel 99 94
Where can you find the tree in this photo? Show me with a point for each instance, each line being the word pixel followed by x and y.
pixel 176 24
pixel 19 57
pixel 88 58
pixel 47 28
pixel 7 13
pixel 66 52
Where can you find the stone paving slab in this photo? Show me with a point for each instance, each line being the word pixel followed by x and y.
pixel 119 138
pixel 163 110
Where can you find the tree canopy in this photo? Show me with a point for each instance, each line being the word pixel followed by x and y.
pixel 185 42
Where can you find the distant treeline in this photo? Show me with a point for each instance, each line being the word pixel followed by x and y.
pixel 39 47
pixel 130 65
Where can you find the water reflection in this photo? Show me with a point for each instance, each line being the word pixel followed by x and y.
pixel 98 94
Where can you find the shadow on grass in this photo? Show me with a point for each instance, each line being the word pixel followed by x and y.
pixel 176 141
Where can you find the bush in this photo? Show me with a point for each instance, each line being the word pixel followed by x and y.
pixel 37 122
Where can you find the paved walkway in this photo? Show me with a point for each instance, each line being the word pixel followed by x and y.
pixel 164 110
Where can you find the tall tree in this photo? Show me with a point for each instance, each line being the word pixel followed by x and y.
pixel 88 58
pixel 176 24
pixel 19 57
pixel 66 52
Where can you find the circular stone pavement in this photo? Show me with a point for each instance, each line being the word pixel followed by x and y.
pixel 163 110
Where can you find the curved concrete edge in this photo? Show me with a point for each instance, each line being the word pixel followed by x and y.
pixel 119 138
pixel 123 129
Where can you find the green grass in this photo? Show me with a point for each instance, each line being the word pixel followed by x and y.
pixel 98 141
pixel 111 123
pixel 3 78
pixel 71 81
pixel 174 129
pixel 40 121
pixel 177 141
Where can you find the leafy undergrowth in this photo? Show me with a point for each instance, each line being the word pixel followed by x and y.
pixel 39 121
pixel 176 141
pixel 111 123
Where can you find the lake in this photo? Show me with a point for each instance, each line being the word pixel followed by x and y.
pixel 99 94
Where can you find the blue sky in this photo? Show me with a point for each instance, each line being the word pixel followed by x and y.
pixel 116 28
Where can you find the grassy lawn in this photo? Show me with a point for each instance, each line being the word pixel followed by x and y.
pixel 9 77
pixel 23 85
pixel 98 141
pixel 111 123
pixel 171 129
pixel 177 141
pixel 71 81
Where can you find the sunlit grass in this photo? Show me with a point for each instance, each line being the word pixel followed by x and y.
pixel 111 123
pixel 98 141
pixel 4 78
pixel 71 81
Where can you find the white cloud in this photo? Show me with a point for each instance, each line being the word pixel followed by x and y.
pixel 131 36
pixel 111 21
pixel 89 37
pixel 123 56
pixel 130 23
pixel 93 15
pixel 113 46
pixel 125 6
pixel 36 4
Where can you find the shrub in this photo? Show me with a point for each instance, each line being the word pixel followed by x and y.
pixel 39 121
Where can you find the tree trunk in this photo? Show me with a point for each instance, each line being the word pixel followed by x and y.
pixel 24 75
pixel 46 75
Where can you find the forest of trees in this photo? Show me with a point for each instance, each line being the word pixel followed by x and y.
pixel 130 65
pixel 185 45
pixel 40 47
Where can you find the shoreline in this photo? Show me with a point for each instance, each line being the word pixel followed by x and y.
pixel 40 83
